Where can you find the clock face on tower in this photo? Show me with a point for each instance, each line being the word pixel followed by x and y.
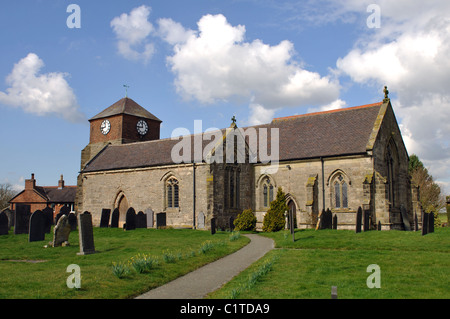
pixel 142 127
pixel 105 127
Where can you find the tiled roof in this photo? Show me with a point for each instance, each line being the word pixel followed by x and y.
pixel 126 106
pixel 57 195
pixel 331 133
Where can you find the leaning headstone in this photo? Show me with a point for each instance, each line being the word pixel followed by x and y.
pixel 115 218
pixel 141 220
pixel 425 219
pixel 104 219
pixel 358 220
pixel 130 219
pixel 161 220
pixel 431 222
pixel 65 210
pixel 405 219
pixel 37 227
pixel 4 227
pixel 10 214
pixel 86 234
pixel 73 221
pixel 213 226
pixel 149 215
pixel 48 217
pixel 61 231
pixel 22 219
pixel 201 221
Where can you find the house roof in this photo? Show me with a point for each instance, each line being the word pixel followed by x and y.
pixel 52 194
pixel 126 106
pixel 330 133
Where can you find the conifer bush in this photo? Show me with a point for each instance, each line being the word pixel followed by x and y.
pixel 245 221
pixel 274 219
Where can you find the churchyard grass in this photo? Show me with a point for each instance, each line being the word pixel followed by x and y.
pixel 411 266
pixel 23 276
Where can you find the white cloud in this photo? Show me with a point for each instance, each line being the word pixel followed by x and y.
pixel 409 53
pixel 132 31
pixel 215 64
pixel 41 94
pixel 260 115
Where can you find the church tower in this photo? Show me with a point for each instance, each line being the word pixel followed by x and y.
pixel 123 122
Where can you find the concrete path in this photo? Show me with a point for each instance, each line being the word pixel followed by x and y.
pixel 197 284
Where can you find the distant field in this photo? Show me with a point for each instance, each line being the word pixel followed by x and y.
pixel 27 270
pixel 411 266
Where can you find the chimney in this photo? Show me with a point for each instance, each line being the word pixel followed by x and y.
pixel 30 184
pixel 61 183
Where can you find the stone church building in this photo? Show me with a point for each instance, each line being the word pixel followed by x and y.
pixel 340 159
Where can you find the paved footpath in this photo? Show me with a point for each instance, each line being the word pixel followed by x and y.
pixel 197 284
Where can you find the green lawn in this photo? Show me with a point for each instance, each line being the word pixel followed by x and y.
pixel 411 266
pixel 48 279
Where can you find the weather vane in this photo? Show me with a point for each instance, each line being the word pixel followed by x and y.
pixel 126 89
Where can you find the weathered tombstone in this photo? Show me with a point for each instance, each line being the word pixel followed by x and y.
pixel 86 234
pixel 4 227
pixel 130 219
pixel 358 220
pixel 425 220
pixel 22 219
pixel 335 222
pixel 405 219
pixel 115 218
pixel 213 226
pixel 328 219
pixel 37 227
pixel 379 225
pixel 61 231
pixel 65 210
pixel 149 215
pixel 104 219
pixel 141 220
pixel 161 220
pixel 73 221
pixel 366 220
pixel 201 221
pixel 10 214
pixel 231 223
pixel 431 222
pixel 48 217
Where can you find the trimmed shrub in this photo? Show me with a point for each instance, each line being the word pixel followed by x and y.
pixel 245 221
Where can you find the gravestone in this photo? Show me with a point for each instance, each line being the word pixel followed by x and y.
pixel 160 220
pixel 416 222
pixel 149 215
pixel 431 222
pixel 115 218
pixel 335 222
pixel 37 227
pixel 73 221
pixel 22 219
pixel 201 221
pixel 425 219
pixel 358 220
pixel 86 234
pixel 141 220
pixel 65 210
pixel 104 220
pixel 10 214
pixel 334 292
pixel 379 225
pixel 326 219
pixel 4 227
pixel 366 220
pixel 405 218
pixel 213 226
pixel 48 217
pixel 231 223
pixel 61 231
pixel 130 219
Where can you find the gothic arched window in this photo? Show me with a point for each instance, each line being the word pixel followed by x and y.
pixel 172 193
pixel 340 192
pixel 267 195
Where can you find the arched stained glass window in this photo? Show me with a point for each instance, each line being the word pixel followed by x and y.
pixel 172 193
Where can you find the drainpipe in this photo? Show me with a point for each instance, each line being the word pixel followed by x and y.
pixel 323 183
pixel 194 195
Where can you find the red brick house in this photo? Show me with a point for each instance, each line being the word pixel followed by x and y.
pixel 39 197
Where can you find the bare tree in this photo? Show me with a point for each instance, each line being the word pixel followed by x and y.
pixel 6 193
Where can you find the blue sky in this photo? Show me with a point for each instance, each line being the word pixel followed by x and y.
pixel 210 60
